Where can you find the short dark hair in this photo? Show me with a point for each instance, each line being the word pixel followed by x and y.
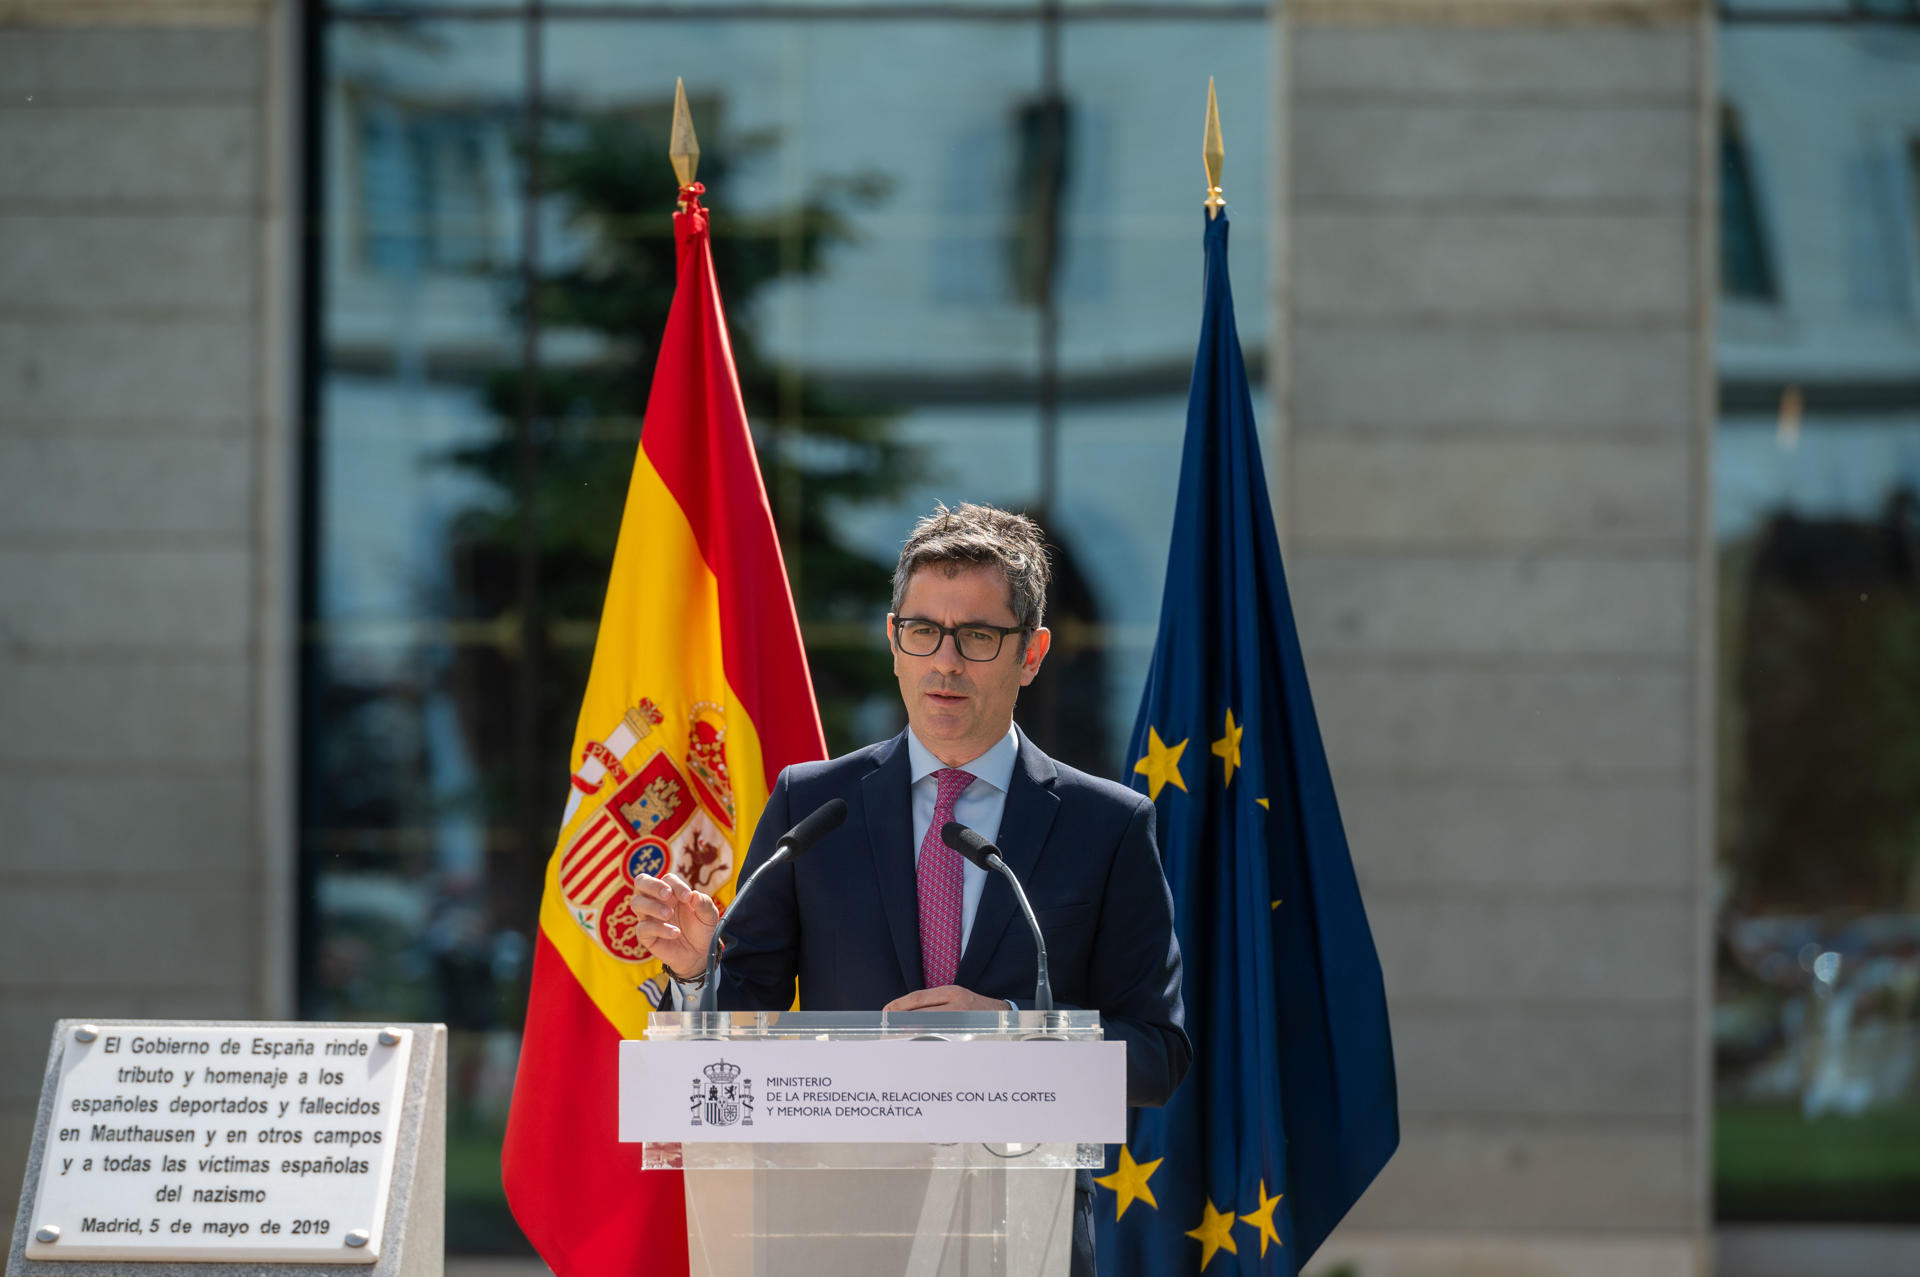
pixel 968 535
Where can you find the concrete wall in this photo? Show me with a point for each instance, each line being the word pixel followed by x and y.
pixel 1494 494
pixel 141 527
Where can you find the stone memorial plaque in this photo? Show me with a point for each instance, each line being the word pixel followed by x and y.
pixel 196 1142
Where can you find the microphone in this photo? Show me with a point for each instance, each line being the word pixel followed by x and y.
pixel 826 818
pixel 979 851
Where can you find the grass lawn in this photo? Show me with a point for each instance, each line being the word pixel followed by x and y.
pixel 1770 1163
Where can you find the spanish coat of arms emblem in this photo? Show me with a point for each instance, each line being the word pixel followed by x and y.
pixel 722 1097
pixel 662 814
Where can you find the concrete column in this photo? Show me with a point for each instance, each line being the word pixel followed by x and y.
pixel 140 517
pixel 1494 479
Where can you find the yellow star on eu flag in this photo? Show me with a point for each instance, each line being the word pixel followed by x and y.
pixel 1161 766
pixel 1262 1219
pixel 1227 748
pixel 1214 1234
pixel 1129 1181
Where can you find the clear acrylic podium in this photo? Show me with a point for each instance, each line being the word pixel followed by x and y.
pixel 923 1210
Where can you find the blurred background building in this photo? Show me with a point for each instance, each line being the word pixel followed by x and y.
pixel 1589 333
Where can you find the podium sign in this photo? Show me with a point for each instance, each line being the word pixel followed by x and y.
pixel 890 1091
pixel 821 1143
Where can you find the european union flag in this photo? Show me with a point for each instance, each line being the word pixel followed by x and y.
pixel 1289 1111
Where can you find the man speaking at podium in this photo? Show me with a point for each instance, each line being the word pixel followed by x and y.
pixel 883 915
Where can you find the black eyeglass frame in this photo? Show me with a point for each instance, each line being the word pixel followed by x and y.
pixel 953 632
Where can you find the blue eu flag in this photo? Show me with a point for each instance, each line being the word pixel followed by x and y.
pixel 1289 1111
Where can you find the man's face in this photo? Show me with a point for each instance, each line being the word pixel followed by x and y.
pixel 959 708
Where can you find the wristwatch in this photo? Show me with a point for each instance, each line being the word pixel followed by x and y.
pixel 690 982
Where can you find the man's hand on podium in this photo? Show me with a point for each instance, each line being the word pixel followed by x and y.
pixel 676 922
pixel 948 997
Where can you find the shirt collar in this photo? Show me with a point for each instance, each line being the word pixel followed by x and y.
pixel 995 766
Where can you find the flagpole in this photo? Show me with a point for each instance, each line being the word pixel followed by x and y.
pixel 1213 154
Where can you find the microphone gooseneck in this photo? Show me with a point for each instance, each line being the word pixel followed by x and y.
pixel 979 851
pixel 826 818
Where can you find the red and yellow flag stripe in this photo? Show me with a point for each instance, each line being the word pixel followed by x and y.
pixel 699 694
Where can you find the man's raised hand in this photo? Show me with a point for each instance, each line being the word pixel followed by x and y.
pixel 676 922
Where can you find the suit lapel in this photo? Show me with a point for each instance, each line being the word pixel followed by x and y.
pixel 886 791
pixel 1024 823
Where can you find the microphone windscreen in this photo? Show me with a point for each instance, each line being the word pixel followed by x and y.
pixel 828 817
pixel 967 842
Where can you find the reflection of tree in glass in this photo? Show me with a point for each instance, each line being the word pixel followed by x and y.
pixel 1817 958
pixel 602 311
pixel 1828 683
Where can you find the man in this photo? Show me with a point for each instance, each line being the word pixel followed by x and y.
pixel 881 914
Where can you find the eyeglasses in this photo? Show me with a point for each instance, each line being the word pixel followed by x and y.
pixel 917 636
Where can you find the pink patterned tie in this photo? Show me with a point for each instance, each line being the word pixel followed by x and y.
pixel 941 869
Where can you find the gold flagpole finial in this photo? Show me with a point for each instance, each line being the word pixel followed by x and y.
pixel 1213 153
pixel 684 148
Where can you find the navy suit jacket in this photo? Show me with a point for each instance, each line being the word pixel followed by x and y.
pixel 844 919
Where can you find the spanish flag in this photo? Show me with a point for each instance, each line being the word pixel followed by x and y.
pixel 698 696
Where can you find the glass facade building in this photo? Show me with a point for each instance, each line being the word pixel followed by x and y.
pixel 960 250
pixel 1817 518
